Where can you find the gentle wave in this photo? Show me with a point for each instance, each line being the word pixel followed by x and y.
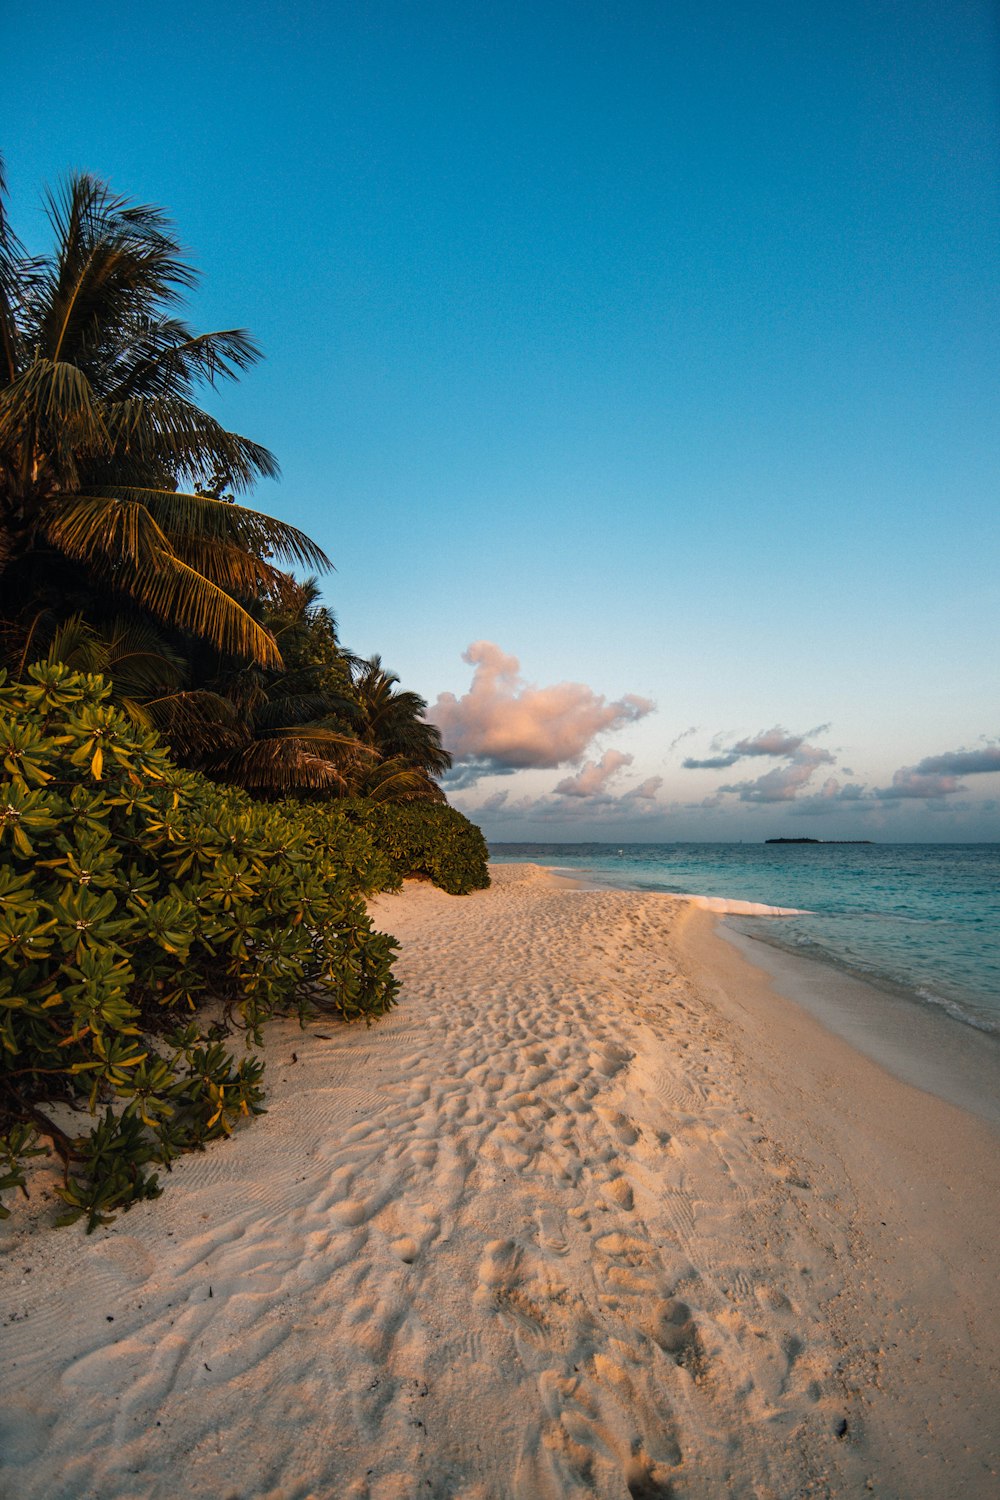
pixel 877 976
pixel 959 1012
pixel 729 908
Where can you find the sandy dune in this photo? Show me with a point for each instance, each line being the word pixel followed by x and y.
pixel 570 1223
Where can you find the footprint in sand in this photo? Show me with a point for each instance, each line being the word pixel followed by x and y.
pixel 621 1125
pixel 609 1060
pixel 499 1264
pixel 623 1247
pixel 351 1211
pixel 644 1481
pixel 619 1192
pixel 129 1258
pixel 551 1234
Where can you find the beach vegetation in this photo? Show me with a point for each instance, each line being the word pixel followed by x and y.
pixel 199 784
pixel 325 725
pixel 431 841
pixel 147 914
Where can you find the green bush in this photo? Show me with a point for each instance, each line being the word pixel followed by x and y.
pixel 131 893
pixel 424 838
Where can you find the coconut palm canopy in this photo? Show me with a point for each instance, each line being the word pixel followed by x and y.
pixel 109 470
pixel 391 720
pixel 122 548
pixel 327 722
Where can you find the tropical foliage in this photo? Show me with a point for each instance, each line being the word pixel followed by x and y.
pixel 405 751
pixel 133 894
pixel 199 785
pixel 433 841
pixel 111 476
pixel 122 547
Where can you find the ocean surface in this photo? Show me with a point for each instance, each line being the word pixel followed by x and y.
pixel 919 920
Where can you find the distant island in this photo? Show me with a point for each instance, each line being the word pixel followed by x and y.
pixel 819 841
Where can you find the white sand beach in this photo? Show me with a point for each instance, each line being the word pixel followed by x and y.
pixel 594 1212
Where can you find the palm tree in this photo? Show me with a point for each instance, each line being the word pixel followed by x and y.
pixel 390 721
pixel 275 731
pixel 147 677
pixel 104 454
pixel 307 728
pixel 137 662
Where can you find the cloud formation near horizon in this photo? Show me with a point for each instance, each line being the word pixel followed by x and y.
pixel 937 776
pixel 594 776
pixel 776 741
pixel 909 782
pixel 711 763
pixel 645 792
pixel 784 783
pixel 962 762
pixel 503 724
pixel 932 779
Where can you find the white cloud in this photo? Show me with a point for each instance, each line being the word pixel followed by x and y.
pixel 594 776
pixel 645 792
pixel 503 724
pixel 908 781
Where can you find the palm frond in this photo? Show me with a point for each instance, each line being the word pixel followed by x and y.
pixel 109 255
pixel 78 645
pixel 321 735
pixel 52 407
pixel 195 723
pixel 201 516
pixel 305 707
pixel 277 766
pixel 232 567
pixel 173 433
pixel 13 264
pixel 140 662
pixel 105 531
pixel 168 359
pixel 395 781
pixel 122 543
pixel 185 598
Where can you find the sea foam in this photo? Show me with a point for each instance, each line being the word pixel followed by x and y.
pixel 744 908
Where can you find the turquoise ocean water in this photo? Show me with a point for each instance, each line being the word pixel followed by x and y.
pixel 922 920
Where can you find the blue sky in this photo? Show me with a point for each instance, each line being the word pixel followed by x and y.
pixel 653 345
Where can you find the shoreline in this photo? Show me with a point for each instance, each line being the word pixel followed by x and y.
pixel 595 1211
pixel 919 1044
pixel 926 1047
pixel 922 1247
pixel 927 989
pixel 918 1040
